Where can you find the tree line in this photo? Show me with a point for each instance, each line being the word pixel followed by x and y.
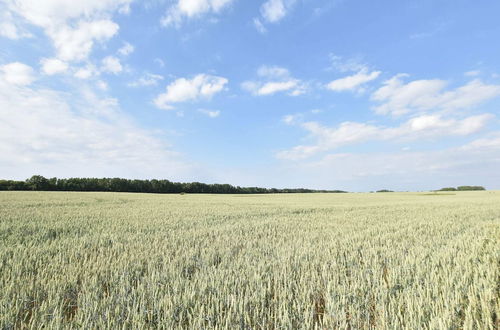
pixel 40 183
pixel 462 188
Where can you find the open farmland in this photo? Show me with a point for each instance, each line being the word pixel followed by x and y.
pixel 359 261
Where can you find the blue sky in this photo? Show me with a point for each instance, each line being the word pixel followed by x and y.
pixel 355 95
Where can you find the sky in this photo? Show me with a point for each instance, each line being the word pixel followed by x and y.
pixel 326 94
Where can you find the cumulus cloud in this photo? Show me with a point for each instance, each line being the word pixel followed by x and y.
pixel 77 134
pixel 202 86
pixel 192 9
pixel 274 79
pixel 49 12
pixel 51 66
pixel 111 64
pixel 397 97
pixel 75 44
pixel 417 128
pixel 353 82
pixel 17 73
pixel 148 79
pixel 73 27
pixel 272 11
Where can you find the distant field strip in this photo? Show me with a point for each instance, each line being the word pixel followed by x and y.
pixel 287 261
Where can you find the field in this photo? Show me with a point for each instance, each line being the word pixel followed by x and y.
pixel 301 261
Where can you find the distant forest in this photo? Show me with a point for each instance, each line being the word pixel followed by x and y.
pixel 40 183
pixel 463 188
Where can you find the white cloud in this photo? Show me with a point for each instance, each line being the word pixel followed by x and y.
pixel 275 87
pixel 51 66
pixel 489 142
pixel 111 64
pixel 125 8
pixel 148 79
pixel 472 164
pixel 475 163
pixel 182 90
pixel 160 62
pixel 275 79
pixel 75 44
pixel 417 128
pixel 192 9
pixel 9 28
pixel 210 113
pixel 292 119
pixel 126 49
pixel 259 26
pixel 341 64
pixel 473 73
pixel 77 134
pixel 362 74
pixel 353 82
pixel 73 27
pixel 54 12
pixel 399 98
pixel 102 85
pixel 86 72
pixel 273 10
pixel 434 125
pixel 273 72
pixel 17 73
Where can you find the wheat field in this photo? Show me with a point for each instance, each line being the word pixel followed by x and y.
pixel 285 261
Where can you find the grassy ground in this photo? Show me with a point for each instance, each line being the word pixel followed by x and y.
pixel 359 261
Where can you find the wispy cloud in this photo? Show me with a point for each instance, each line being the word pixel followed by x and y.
pixel 342 64
pixel 210 113
pixel 272 80
pixel 348 133
pixel 148 79
pixel 471 163
pixel 126 49
pixel 189 9
pixel 397 97
pixel 353 82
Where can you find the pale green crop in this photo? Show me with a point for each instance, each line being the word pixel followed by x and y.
pixel 287 261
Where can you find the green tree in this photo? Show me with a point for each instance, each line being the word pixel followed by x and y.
pixel 469 188
pixel 38 182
